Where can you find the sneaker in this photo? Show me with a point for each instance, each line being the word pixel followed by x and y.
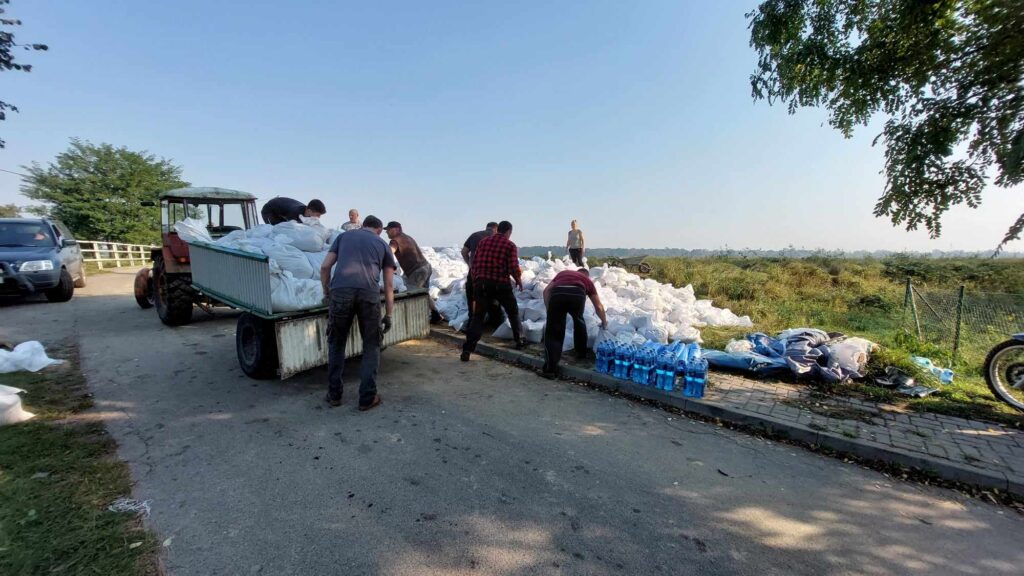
pixel 334 402
pixel 435 317
pixel 521 344
pixel 464 356
pixel 373 403
pixel 548 375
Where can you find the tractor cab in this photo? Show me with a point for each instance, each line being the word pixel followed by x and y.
pixel 220 209
pixel 168 285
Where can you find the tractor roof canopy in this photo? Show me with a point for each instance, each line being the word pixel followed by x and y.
pixel 206 194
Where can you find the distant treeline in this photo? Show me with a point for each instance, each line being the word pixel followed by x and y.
pixel 531 251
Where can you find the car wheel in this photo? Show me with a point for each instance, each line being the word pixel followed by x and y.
pixel 64 290
pixel 80 283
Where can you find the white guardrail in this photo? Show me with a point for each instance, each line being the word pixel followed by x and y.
pixel 114 254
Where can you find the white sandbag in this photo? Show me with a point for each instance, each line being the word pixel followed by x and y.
pixel 30 356
pixel 533 310
pixel 261 231
pixel 288 294
pixel 11 411
pixel 504 331
pixel 852 353
pixel 291 259
pixel 232 239
pixel 533 331
pixel 334 236
pixel 316 259
pixel 303 237
pixel 191 230
pixel 739 346
pixel 314 223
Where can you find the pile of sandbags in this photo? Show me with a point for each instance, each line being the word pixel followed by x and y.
pixel 638 309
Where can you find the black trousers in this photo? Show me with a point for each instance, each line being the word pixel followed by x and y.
pixel 271 217
pixel 484 291
pixel 576 254
pixel 566 300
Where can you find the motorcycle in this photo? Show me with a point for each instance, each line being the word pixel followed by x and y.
pixel 1004 371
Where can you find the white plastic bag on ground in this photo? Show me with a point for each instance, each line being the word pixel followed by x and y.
pixel 291 259
pixel 852 353
pixel 191 230
pixel 30 356
pixel 504 331
pixel 11 411
pixel 303 237
pixel 735 346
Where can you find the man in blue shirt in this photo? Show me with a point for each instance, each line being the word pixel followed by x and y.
pixel 354 294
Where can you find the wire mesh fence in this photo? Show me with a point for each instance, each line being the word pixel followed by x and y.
pixel 963 323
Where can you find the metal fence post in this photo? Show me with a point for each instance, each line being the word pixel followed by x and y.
pixel 913 307
pixel 959 318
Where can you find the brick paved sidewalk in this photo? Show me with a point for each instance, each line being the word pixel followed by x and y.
pixel 983 454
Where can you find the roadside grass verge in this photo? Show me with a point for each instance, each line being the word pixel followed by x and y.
pixel 57 477
pixel 858 297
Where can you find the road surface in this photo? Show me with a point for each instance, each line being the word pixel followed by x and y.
pixel 476 468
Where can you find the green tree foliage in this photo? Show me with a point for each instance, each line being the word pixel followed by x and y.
pixel 98 191
pixel 948 76
pixel 7 49
pixel 9 211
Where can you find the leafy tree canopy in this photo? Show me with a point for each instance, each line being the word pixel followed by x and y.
pixel 7 50
pixel 948 75
pixel 98 191
pixel 9 211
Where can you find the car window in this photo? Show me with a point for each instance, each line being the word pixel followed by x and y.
pixel 64 231
pixel 28 234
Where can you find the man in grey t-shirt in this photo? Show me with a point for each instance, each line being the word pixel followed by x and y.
pixel 354 294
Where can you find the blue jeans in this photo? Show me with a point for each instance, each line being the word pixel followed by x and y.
pixel 348 304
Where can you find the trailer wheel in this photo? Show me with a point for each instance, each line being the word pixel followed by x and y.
pixel 257 347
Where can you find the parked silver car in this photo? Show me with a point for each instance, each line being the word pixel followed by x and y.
pixel 39 255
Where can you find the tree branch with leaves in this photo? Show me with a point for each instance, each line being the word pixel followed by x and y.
pixel 948 76
pixel 8 48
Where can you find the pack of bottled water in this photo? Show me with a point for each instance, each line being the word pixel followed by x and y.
pixel 695 372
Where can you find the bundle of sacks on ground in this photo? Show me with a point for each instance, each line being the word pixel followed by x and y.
pixel 638 309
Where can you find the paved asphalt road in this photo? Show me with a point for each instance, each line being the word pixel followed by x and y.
pixel 476 468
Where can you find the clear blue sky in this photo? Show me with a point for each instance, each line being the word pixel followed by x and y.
pixel 633 117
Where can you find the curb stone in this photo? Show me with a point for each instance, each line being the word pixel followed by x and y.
pixel 860 448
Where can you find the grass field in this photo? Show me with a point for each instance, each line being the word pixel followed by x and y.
pixel 58 475
pixel 859 298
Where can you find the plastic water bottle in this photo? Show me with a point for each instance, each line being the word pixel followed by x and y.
pixel 623 360
pixel 605 356
pixel 696 373
pixel 665 371
pixel 642 365
pixel 696 378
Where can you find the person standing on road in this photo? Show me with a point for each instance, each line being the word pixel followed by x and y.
pixel 354 294
pixel 495 261
pixel 575 244
pixel 467 254
pixel 415 269
pixel 283 209
pixel 353 221
pixel 567 294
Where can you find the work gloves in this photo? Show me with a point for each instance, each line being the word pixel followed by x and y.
pixel 385 324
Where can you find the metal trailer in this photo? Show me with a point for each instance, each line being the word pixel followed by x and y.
pixel 285 343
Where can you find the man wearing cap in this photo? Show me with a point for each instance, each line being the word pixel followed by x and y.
pixel 495 261
pixel 416 270
pixel 283 209
pixel 353 294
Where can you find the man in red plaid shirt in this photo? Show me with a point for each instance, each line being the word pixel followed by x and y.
pixel 495 260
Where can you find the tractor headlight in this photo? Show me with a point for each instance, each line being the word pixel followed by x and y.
pixel 36 266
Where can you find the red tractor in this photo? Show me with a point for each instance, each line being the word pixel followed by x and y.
pixel 168 285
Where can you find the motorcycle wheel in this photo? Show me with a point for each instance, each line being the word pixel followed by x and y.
pixel 1004 372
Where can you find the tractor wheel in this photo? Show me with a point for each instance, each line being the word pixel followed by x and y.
pixel 256 345
pixel 173 296
pixel 644 268
pixel 144 288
